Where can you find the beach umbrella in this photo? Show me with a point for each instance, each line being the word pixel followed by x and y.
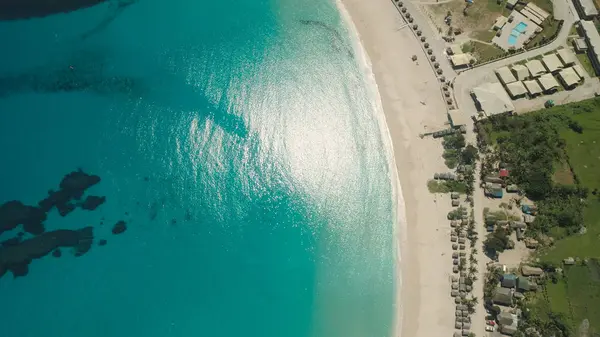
pixel 410 20
pixel 449 100
pixel 436 65
pixel 423 39
pixel 442 78
pixel 414 57
pixel 403 10
pixel 426 44
pixel 429 51
pixel 419 33
pixel 432 58
pixel 407 15
pixel 400 3
pixel 415 26
pixel 447 93
pixel 439 71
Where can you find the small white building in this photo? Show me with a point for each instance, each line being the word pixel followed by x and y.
pixel 548 83
pixel 569 77
pixel 505 75
pixel 536 69
pixel 566 56
pixel 533 87
pixel 499 23
pixel 492 99
pixel 520 71
pixel 552 63
pixel 579 70
pixel 460 60
pixel 516 90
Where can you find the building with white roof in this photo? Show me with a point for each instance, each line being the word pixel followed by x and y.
pixel 548 83
pixel 579 70
pixel 510 4
pixel 500 22
pixel 505 75
pixel 516 90
pixel 580 45
pixel 460 60
pixel 586 9
pixel 492 99
pixel 520 71
pixel 536 69
pixel 569 77
pixel 552 63
pixel 457 117
pixel 566 56
pixel 593 40
pixel 454 50
pixel 533 87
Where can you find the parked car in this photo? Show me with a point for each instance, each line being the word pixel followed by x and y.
pixel 490 322
pixel 489 328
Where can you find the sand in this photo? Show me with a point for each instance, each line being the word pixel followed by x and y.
pixel 412 104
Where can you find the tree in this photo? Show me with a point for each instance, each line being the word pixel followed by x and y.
pixel 469 155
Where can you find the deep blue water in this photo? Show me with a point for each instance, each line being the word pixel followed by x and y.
pixel 239 141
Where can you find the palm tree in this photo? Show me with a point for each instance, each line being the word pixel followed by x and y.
pixel 473 269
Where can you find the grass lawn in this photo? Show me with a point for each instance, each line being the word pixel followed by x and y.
pixel 586 64
pixel 436 186
pixel 545 5
pixel 550 27
pixel 484 35
pixel 573 30
pixel 563 174
pixel 483 52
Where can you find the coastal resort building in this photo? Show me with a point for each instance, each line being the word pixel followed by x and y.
pixel 586 9
pixel 521 72
pixel 569 78
pixel 592 37
pixel 535 67
pixel 579 70
pixel 509 281
pixel 455 49
pixel 523 285
pixel 517 30
pixel 510 4
pixel 516 90
pixel 548 83
pixel 460 60
pixel 508 323
pixel 580 45
pixel 505 75
pixel 503 296
pixel 499 23
pixel 534 13
pixel 457 118
pixel 566 56
pixel 552 63
pixel 492 99
pixel 531 271
pixel 533 87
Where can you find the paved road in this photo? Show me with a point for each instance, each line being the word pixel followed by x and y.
pixel 465 81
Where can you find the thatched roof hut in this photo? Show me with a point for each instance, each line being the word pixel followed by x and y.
pixel 456 334
pixel 455 262
pixel 423 39
pixel 454 293
pixel 453 223
pixel 461 240
pixel 419 33
pixel 426 44
pixel 429 51
pixel 455 203
pixel 432 58
pixel 457 300
pixel 403 10
pixel 453 238
pixel 454 246
pixel 458 325
pixel 461 246
pixel 407 15
pixel 455 269
pixel 411 19
pixel 439 71
pixel 462 254
pixel 454 195
pixel 415 26
pixel 455 255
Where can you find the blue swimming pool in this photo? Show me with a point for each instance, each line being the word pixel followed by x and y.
pixel 514 34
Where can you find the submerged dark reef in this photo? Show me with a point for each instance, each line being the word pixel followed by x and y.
pixel 16 254
pixel 27 9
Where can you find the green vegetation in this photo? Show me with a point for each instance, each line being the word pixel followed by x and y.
pixel 586 63
pixel 484 35
pixel 497 242
pixel 446 186
pixel 554 156
pixel 550 28
pixel 573 30
pixel 483 52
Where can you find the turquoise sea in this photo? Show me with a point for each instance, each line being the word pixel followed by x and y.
pixel 242 144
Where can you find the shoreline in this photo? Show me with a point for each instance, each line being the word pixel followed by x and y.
pixel 399 205
pixel 411 103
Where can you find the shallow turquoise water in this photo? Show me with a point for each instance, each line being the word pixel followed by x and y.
pixel 256 129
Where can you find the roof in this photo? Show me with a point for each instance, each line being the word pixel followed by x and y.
pixel 531 271
pixel 593 38
pixel 493 99
pixel 503 173
pixel 503 296
pixel 459 60
pixel 508 329
pixel 580 43
pixel 569 77
pixel 552 62
pixel 579 70
pixel 536 68
pixel 505 75
pixel 533 87
pixel 457 117
pixel 566 56
pixel 455 49
pixel 512 2
pixel 548 82
pixel 500 22
pixel 505 318
pixel 531 15
pixel 587 7
pixel 516 89
pixel 523 284
pixel 521 72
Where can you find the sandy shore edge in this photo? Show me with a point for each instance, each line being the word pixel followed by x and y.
pixel 412 104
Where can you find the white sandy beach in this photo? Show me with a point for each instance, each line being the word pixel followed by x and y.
pixel 412 103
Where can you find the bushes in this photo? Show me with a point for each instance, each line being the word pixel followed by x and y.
pixel 497 242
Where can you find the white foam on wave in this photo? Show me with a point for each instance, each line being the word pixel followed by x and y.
pixel 364 62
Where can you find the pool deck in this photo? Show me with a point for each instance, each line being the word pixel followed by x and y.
pixel 502 40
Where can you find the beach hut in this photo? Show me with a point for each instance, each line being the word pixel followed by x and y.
pixel 467 326
pixel 469 288
pixel 432 58
pixel 426 45
pixel 512 188
pixel 458 325
pixel 466 332
pixel 461 247
pixel 454 286
pixel 455 203
pixel 461 240
pixel 457 334
pixel 455 262
pixel 453 238
pixel 454 246
pixel 503 296
pixel 455 269
pixel 531 271
pixel 462 254
pixel 523 284
pixel 454 195
pixel 457 300
pixel 454 293
pixel 462 235
pixel 403 10
pixel 509 281
pixel 455 255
